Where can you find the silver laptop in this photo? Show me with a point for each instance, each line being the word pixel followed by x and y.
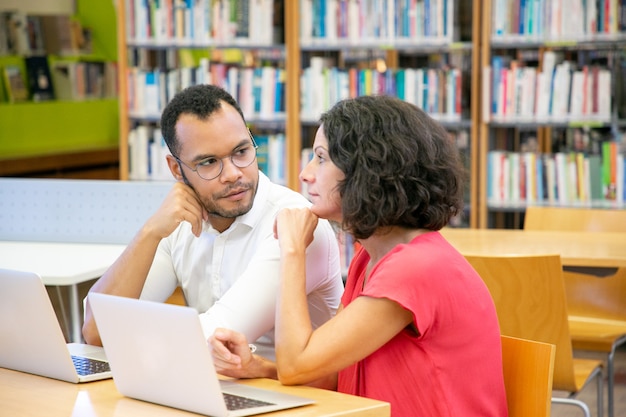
pixel 158 353
pixel 31 339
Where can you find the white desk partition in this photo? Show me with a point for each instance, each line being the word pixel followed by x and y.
pixel 77 211
pixel 70 231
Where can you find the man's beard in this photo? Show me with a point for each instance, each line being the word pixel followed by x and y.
pixel 215 210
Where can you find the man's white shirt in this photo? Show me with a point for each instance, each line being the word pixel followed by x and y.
pixel 232 278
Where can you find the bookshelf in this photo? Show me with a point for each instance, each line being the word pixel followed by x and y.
pixel 165 49
pixel 386 48
pixel 449 55
pixel 60 131
pixel 552 129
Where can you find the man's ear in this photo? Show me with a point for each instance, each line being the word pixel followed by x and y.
pixel 175 168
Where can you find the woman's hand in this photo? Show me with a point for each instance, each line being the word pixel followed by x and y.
pixel 294 228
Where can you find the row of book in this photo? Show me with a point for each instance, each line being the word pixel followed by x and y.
pixel 559 90
pixel 259 91
pixel 32 34
pixel 63 80
pixel 395 21
pixel 438 91
pixel 147 155
pixel 517 178
pixel 201 22
pixel 558 19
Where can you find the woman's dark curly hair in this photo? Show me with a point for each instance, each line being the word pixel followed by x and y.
pixel 401 168
pixel 201 100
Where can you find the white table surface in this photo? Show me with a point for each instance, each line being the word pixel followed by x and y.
pixel 61 264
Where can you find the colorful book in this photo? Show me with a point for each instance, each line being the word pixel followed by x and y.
pixel 39 78
pixel 14 84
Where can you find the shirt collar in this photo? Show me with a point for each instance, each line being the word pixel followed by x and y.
pixel 252 217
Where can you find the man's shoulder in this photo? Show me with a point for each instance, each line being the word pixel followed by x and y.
pixel 282 196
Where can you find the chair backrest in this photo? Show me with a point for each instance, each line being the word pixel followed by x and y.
pixel 587 295
pixel 527 367
pixel 574 219
pixel 529 296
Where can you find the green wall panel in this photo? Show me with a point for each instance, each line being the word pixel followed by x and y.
pixel 58 126
pixel 41 128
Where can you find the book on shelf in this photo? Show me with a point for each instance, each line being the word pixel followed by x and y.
pixel 271 155
pixel 343 21
pixel 61 36
pixel 17 32
pixel 79 80
pixel 202 21
pixel 568 176
pixel 14 84
pixel 64 79
pixel 39 78
pixel 556 19
pixel 35 35
pixel 5 48
pixel 563 90
pixel 20 33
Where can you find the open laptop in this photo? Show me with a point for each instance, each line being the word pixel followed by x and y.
pixel 158 353
pixel 31 339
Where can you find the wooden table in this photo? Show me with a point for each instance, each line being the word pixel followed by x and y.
pixel 23 394
pixel 595 250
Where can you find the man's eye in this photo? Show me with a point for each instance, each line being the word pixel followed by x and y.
pixel 242 151
pixel 207 162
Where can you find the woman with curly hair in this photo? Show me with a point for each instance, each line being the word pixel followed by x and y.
pixel 417 326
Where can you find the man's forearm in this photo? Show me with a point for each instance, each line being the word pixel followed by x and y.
pixel 126 277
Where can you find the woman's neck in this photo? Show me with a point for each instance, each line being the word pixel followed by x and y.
pixel 381 242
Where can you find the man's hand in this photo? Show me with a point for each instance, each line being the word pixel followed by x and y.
pixel 232 356
pixel 180 204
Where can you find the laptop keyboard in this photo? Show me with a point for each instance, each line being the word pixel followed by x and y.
pixel 87 366
pixel 235 402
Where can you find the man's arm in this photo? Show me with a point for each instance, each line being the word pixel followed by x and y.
pixel 127 275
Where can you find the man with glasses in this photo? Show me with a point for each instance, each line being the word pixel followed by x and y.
pixel 213 234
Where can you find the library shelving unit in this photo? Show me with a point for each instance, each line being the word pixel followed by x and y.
pixel 552 129
pixel 423 52
pixel 437 51
pixel 164 48
pixel 64 138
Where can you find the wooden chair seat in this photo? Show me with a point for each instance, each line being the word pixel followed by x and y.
pixel 596 334
pixel 583 371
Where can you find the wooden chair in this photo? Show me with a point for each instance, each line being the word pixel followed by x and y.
pixel 596 305
pixel 528 366
pixel 177 297
pixel 574 219
pixel 529 296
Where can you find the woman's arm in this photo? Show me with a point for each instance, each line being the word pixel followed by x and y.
pixel 302 354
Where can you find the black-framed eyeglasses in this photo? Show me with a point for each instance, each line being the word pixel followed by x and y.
pixel 211 168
